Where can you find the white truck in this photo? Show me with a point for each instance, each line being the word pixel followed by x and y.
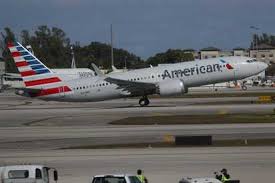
pixel 27 174
pixel 199 180
pixel 127 178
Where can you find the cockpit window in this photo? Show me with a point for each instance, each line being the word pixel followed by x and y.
pixel 251 60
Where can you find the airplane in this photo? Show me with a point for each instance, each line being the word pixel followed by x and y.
pixel 164 80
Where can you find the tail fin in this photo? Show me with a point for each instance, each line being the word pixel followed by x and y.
pixel 34 73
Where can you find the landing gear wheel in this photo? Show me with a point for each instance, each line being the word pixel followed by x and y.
pixel 144 102
pixel 244 87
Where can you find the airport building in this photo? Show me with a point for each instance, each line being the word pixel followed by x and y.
pixel 209 52
pixel 212 52
pixel 263 52
pixel 240 52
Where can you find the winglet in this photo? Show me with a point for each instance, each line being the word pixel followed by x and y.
pixel 97 71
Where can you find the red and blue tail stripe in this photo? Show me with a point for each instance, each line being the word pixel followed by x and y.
pixel 34 73
pixel 27 64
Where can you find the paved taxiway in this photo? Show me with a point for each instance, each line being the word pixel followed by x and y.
pixel 161 165
pixel 37 138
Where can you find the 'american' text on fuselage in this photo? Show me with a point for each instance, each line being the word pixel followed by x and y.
pixel 191 71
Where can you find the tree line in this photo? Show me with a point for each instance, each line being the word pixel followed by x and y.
pixel 53 47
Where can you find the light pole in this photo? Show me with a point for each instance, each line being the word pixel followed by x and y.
pixel 73 65
pixel 255 41
pixel 112 48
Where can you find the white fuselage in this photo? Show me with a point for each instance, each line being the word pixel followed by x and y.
pixel 193 73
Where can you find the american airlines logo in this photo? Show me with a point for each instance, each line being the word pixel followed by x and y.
pixel 192 71
pixel 228 66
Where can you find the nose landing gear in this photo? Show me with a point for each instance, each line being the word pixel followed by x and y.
pixel 144 101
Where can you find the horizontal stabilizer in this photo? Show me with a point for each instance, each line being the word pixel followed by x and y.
pixel 27 92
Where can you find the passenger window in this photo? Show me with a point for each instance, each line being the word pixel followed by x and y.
pixel 18 174
pixel 38 173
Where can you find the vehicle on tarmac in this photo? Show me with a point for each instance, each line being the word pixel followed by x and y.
pixel 164 80
pixel 27 174
pixel 113 178
pixel 199 180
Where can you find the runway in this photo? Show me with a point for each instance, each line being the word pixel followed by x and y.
pixel 34 131
pixel 34 124
pixel 20 111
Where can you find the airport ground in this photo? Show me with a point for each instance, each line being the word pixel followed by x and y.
pixel 34 131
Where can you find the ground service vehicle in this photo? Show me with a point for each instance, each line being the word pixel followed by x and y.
pixel 199 180
pixel 26 174
pixel 115 179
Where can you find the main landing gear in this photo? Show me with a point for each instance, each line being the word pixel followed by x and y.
pixel 144 101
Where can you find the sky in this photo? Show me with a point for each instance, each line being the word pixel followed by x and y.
pixel 146 27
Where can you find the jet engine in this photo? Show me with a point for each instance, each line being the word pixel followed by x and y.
pixel 172 87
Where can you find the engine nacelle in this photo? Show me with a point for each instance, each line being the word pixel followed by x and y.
pixel 172 87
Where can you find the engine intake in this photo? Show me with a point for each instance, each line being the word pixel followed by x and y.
pixel 172 87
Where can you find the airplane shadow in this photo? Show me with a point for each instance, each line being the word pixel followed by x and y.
pixel 137 106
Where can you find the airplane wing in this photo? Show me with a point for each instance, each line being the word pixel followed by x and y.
pixel 135 88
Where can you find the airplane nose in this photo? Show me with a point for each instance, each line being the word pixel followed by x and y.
pixel 262 66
